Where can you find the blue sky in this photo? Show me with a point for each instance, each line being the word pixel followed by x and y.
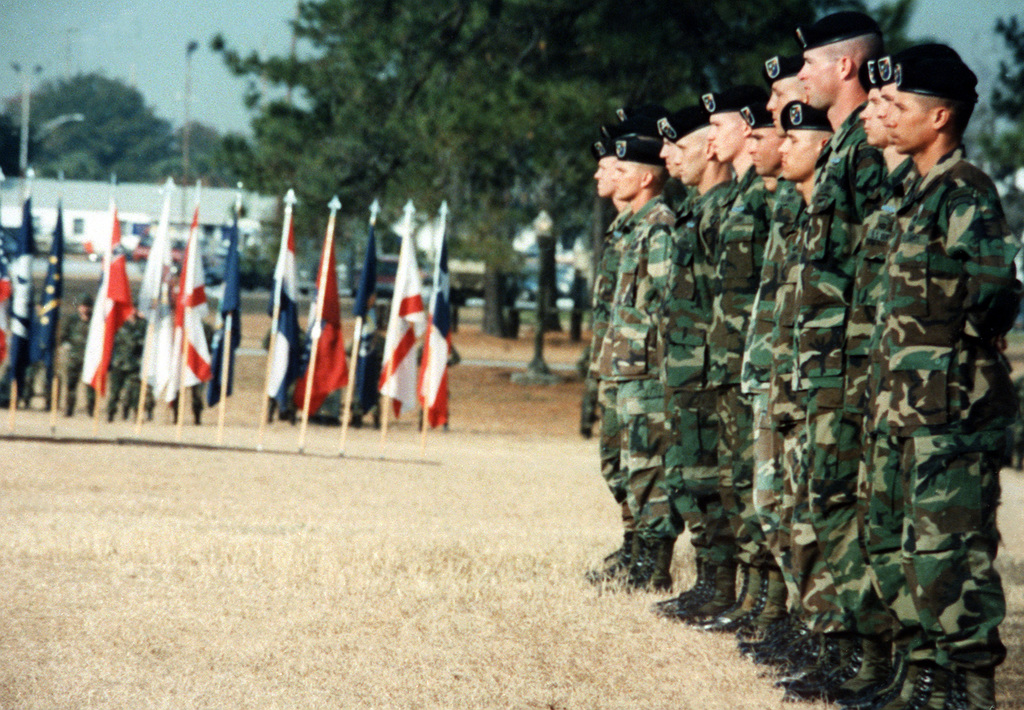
pixel 143 42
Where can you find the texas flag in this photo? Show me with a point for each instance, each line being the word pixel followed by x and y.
pixel 406 323
pixel 113 304
pixel 433 384
pixel 190 309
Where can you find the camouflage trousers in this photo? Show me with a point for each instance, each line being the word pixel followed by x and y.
pixel 835 447
pixel 645 435
pixel 951 491
pixel 769 488
pixel 610 448
pixel 736 473
pixel 691 467
pixel 808 577
pixel 880 524
pixel 73 375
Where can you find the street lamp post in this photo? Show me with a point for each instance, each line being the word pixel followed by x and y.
pixel 26 98
pixel 187 128
pixel 538 372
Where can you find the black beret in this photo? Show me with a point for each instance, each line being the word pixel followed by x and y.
pixel 757 116
pixel 837 27
pixel 943 77
pixel 683 122
pixel 798 116
pixel 639 149
pixel 868 75
pixel 86 300
pixel 640 124
pixel 779 67
pixel 733 99
pixel 650 110
pixel 600 149
pixel 886 66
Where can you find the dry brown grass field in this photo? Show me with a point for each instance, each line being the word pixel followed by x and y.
pixel 450 576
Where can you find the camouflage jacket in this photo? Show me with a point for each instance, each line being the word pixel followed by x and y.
pixel 738 259
pixel 604 287
pixel 757 353
pixel 847 183
pixel 789 220
pixel 950 291
pixel 687 312
pixel 631 348
pixel 128 344
pixel 75 336
pixel 868 283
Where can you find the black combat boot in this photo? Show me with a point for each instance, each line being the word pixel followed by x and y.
pixel 874 670
pixel 650 569
pixel 751 600
pixel 979 689
pixel 723 596
pixel 614 565
pixel 700 590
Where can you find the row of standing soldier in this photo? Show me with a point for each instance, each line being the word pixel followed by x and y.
pixel 801 361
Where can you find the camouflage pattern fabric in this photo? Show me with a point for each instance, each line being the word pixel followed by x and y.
pixel 951 291
pixel 74 339
pixel 686 317
pixel 125 365
pixel 631 354
pixel 610 443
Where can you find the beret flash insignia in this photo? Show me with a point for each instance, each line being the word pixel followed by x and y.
pixel 709 102
pixel 897 74
pixel 800 37
pixel 872 72
pixel 621 113
pixel 620 149
pixel 600 149
pixel 666 129
pixel 796 114
pixel 773 68
pixel 748 116
pixel 885 69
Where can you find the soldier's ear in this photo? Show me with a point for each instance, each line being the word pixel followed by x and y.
pixel 942 116
pixel 847 69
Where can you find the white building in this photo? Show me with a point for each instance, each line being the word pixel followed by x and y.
pixel 86 206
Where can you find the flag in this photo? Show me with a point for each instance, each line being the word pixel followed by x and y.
pixel 368 367
pixel 5 303
pixel 433 382
pixel 230 309
pixel 189 311
pixel 155 298
pixel 44 336
pixel 330 371
pixel 286 365
pixel 113 304
pixel 406 323
pixel 20 272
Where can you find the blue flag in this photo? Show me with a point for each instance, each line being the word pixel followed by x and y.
pixel 44 336
pixel 20 271
pixel 368 367
pixel 229 307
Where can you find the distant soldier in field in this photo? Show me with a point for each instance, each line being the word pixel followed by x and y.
pixel 125 364
pixel 75 337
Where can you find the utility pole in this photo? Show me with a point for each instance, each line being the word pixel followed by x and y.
pixel 26 98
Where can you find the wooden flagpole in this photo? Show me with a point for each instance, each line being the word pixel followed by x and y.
pixel 385 411
pixel 226 343
pixel 54 402
pixel 147 358
pixel 13 404
pixel 334 205
pixel 180 426
pixel 289 202
pixel 225 362
pixel 357 337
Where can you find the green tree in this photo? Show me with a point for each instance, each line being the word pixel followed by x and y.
pixel 117 132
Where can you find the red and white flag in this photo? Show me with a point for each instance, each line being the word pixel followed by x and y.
pixel 433 384
pixel 406 323
pixel 113 305
pixel 190 309
pixel 330 370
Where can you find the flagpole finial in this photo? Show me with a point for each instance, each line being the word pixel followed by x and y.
pixel 444 209
pixel 289 198
pixel 374 210
pixel 409 207
pixel 238 199
pixel 334 204
pixel 167 186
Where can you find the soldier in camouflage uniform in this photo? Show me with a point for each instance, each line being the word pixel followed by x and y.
pixel 75 338
pixel 742 233
pixel 848 177
pixel 610 444
pixel 631 354
pixel 944 389
pixel 125 364
pixel 691 469
pixel 769 491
